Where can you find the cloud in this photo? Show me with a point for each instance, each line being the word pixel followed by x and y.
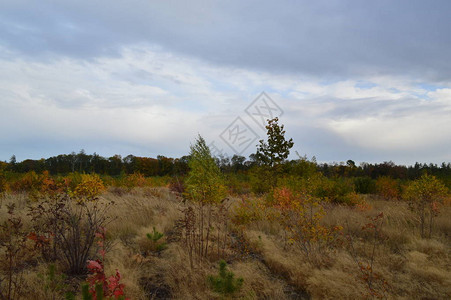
pixel 156 102
pixel 357 80
pixel 321 38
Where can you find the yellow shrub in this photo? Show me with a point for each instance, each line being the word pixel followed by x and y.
pixel 90 187
pixel 352 199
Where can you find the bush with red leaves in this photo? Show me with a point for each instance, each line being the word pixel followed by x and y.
pixel 112 288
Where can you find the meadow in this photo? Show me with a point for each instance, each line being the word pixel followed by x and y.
pixel 277 230
pixel 403 265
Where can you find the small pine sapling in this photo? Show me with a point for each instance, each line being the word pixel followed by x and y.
pixel 225 282
pixel 155 237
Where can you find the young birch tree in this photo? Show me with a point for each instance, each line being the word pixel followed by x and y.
pixel 205 187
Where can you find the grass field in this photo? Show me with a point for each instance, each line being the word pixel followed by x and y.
pixel 403 265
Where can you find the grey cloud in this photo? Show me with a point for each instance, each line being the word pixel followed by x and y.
pixel 321 38
pixel 58 54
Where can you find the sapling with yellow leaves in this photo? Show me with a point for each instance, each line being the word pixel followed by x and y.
pixel 425 195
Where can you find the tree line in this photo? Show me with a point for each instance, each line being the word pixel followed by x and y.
pixel 167 166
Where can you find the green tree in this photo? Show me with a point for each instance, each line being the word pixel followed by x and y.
pixel 12 165
pixel 205 187
pixel 277 148
pixel 225 282
pixel 425 194
pixel 269 156
pixel 204 182
pixel 238 163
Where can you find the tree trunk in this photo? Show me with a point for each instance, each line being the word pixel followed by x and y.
pixel 430 223
pixel 208 230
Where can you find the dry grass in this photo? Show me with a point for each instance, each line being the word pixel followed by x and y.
pixel 20 201
pixel 414 268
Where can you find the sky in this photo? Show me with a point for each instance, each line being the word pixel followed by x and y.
pixel 363 80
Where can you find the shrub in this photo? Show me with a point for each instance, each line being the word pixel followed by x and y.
pixel 350 199
pixel 192 232
pixel 70 226
pixel 237 184
pixel 90 187
pixel 303 167
pixel 261 179
pixel 364 185
pixel 388 188
pixel 248 211
pixel 300 216
pixel 134 180
pixel 225 282
pixel 333 190
pixel 425 194
pixel 29 182
pixel 14 256
pixel 40 185
pixel 100 286
pixel 110 181
pixel 74 179
pixel 377 286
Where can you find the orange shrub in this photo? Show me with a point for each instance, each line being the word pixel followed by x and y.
pixel 39 185
pixel 388 188
pixel 300 216
pixel 135 180
pixel 51 186
pixel 29 182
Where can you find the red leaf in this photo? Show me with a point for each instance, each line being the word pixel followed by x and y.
pixel 94 266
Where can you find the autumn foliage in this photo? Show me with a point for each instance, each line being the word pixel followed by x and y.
pixel 300 215
pixel 90 187
pixel 426 194
pixel 111 286
pixel 288 229
pixel 388 188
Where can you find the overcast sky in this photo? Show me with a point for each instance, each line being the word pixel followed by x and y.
pixel 362 80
